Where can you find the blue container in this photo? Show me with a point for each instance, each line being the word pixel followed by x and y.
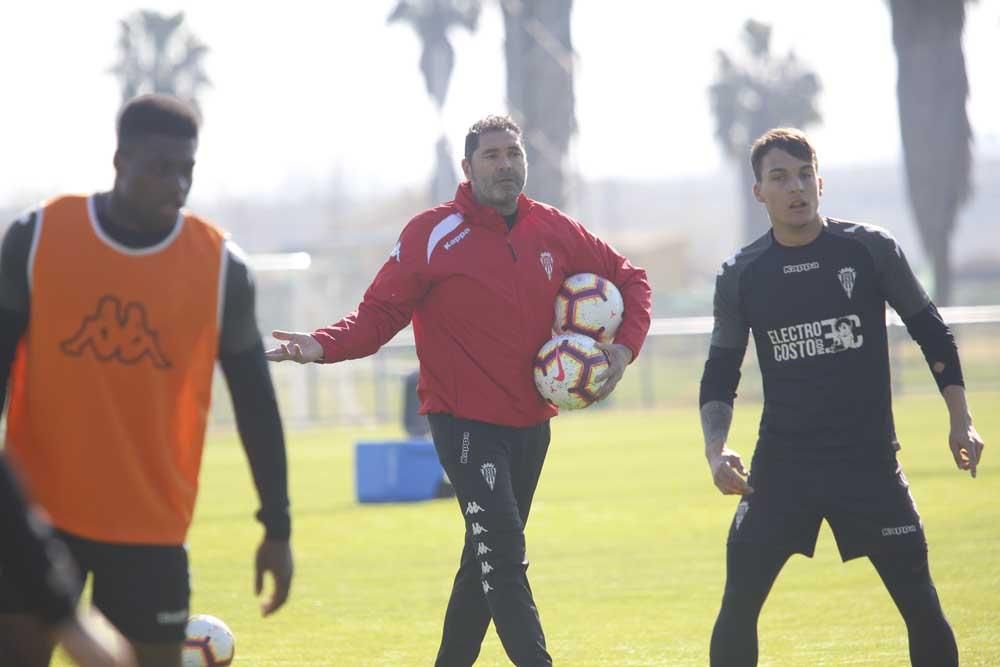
pixel 396 471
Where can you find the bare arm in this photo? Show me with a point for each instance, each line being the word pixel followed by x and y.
pixel 716 418
pixel 719 381
pixel 728 471
pixel 963 439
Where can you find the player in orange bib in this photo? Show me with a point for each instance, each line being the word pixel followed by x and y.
pixel 114 308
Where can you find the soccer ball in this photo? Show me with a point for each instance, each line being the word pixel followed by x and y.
pixel 590 305
pixel 209 642
pixel 565 369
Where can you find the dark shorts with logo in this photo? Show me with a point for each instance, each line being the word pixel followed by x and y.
pixel 867 504
pixel 143 590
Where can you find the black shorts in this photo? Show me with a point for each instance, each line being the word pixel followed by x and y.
pixel 144 590
pixel 867 504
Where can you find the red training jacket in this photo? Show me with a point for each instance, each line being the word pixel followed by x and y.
pixel 481 300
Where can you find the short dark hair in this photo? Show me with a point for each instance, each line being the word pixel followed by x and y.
pixel 789 139
pixel 157 114
pixel 491 123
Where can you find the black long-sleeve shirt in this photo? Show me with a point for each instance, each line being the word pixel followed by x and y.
pixel 817 314
pixel 241 356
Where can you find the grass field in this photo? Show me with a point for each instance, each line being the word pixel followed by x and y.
pixel 626 540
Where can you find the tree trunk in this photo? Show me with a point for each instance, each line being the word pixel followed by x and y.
pixel 540 93
pixel 941 258
pixel 932 89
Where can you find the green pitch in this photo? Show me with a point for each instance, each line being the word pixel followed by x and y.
pixel 626 540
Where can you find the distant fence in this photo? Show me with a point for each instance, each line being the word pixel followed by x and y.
pixel 370 391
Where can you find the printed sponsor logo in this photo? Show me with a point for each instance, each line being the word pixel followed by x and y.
pixel 898 530
pixel 477 529
pixel 464 458
pixel 546 259
pixel 800 268
pixel 455 240
pixel 489 474
pixel 473 508
pixel 847 276
pixel 813 339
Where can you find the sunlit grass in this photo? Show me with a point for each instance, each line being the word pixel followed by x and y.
pixel 626 540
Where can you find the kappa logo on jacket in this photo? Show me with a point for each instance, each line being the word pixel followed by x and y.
pixel 117 333
pixel 444 229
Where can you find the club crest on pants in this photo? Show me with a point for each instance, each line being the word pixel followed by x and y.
pixel 741 512
pixel 489 474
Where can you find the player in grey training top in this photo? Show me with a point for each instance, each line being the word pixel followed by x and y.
pixel 813 291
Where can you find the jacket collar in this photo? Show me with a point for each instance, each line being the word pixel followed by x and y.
pixel 471 209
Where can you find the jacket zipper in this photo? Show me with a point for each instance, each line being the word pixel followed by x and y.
pixel 512 253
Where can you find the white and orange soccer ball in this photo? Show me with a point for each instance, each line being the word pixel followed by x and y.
pixel 590 305
pixel 209 642
pixel 566 369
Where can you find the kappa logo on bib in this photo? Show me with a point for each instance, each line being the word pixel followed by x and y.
pixel 117 333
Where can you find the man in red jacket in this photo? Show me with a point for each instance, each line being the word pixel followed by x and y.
pixel 478 277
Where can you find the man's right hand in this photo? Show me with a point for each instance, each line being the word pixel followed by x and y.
pixel 299 347
pixel 728 472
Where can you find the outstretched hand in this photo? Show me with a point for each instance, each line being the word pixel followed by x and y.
pixel 274 556
pixel 298 347
pixel 728 473
pixel 619 357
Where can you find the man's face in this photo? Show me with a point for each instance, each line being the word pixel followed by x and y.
pixel 790 189
pixel 497 170
pixel 846 334
pixel 154 176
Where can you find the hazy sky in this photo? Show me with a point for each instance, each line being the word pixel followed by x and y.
pixel 320 92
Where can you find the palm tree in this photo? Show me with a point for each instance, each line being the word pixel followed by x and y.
pixel 753 94
pixel 159 54
pixel 539 55
pixel 431 19
pixel 931 90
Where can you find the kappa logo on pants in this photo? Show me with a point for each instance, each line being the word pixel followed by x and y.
pixel 478 530
pixel 473 508
pixel 486 587
pixel 489 474
pixel 482 549
pixel 464 458
pixel 172 617
pixel 486 567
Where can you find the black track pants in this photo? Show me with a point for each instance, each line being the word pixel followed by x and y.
pixel 494 470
